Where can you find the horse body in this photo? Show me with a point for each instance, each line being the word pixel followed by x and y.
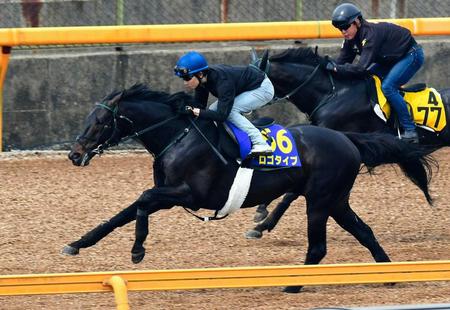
pixel 357 118
pixel 187 172
pixel 339 104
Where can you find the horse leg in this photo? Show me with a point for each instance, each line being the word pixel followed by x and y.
pixel 271 221
pixel 149 202
pixel 318 214
pixel 92 237
pixel 348 220
pixel 261 213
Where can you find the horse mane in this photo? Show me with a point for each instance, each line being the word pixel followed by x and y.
pixel 142 92
pixel 304 55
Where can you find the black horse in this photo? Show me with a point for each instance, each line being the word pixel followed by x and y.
pixel 188 173
pixel 328 101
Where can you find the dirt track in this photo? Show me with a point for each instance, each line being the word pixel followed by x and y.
pixel 46 202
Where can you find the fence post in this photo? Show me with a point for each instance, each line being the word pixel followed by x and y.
pixel 119 12
pixel 4 59
pixel 224 11
pixel 119 287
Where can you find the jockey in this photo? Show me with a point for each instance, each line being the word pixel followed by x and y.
pixel 237 89
pixel 386 50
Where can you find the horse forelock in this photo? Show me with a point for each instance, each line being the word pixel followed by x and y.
pixel 303 55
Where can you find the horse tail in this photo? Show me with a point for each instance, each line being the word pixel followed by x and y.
pixel 414 160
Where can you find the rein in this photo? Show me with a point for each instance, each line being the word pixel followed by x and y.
pixel 104 146
pixel 323 102
pixel 209 143
pixel 298 87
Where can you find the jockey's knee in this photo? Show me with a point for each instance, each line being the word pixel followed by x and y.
pixel 388 89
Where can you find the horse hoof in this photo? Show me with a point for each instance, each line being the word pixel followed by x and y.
pixel 292 289
pixel 260 215
pixel 70 250
pixel 136 258
pixel 253 234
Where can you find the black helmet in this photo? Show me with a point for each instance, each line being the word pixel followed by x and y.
pixel 344 15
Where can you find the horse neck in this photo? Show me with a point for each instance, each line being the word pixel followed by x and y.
pixel 156 122
pixel 287 77
pixel 160 140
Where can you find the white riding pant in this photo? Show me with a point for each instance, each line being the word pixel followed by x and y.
pixel 247 102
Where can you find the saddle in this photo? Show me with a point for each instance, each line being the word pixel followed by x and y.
pixel 235 144
pixel 424 104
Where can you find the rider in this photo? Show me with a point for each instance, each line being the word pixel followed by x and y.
pixel 237 89
pixel 386 50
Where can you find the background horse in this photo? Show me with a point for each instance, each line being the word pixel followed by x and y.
pixel 336 103
pixel 328 101
pixel 188 173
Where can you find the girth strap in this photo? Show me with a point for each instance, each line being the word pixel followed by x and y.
pixel 206 218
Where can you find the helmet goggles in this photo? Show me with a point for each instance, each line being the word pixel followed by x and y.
pixel 342 26
pixel 183 73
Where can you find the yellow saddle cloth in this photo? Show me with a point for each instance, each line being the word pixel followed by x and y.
pixel 426 107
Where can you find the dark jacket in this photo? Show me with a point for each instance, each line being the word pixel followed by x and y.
pixel 225 83
pixel 382 43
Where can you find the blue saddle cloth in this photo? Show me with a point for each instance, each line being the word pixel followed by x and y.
pixel 285 154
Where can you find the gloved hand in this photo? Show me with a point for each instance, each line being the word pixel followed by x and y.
pixel 185 110
pixel 327 63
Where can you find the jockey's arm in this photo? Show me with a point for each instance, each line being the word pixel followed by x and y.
pixel 360 68
pixel 346 54
pixel 226 95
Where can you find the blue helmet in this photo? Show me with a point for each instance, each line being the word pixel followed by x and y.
pixel 189 64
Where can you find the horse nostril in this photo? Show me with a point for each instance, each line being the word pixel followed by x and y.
pixel 74 156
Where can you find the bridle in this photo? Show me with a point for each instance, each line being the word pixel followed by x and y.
pixel 112 140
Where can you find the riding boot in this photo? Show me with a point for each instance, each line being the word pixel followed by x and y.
pixel 261 149
pixel 410 135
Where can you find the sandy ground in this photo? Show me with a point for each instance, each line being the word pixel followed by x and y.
pixel 46 202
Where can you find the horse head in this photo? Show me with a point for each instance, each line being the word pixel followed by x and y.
pixel 130 114
pixel 99 131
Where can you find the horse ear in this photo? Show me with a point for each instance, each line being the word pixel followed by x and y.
pixel 264 59
pixel 254 56
pixel 115 100
pixel 315 51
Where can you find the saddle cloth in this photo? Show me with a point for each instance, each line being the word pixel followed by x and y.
pixel 425 106
pixel 285 154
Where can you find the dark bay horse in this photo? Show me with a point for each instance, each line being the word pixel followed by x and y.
pixel 188 173
pixel 328 101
